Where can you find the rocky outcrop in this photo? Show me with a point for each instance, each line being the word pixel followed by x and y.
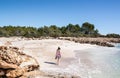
pixel 98 41
pixel 14 63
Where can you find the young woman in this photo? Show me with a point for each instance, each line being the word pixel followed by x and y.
pixel 58 55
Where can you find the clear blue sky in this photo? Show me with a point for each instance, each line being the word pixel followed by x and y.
pixel 104 14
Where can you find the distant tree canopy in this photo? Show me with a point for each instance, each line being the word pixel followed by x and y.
pixel 70 30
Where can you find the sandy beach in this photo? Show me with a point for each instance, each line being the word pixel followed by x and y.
pixel 72 64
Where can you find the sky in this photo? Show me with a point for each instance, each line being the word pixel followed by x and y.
pixel 104 14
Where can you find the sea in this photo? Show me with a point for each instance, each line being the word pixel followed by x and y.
pixel 100 62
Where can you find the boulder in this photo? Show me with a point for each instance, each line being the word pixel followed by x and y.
pixel 14 63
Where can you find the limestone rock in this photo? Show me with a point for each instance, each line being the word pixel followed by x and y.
pixel 5 65
pixel 98 41
pixel 14 63
pixel 15 73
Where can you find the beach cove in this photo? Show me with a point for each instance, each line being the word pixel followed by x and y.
pixel 78 60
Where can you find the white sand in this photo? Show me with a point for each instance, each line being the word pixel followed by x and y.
pixel 44 51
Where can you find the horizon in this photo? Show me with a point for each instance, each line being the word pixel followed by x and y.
pixel 104 14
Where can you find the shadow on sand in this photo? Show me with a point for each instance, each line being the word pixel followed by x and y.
pixel 50 63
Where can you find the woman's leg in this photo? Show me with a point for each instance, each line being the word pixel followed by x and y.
pixel 58 61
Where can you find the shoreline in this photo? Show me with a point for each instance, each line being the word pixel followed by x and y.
pixel 97 41
pixel 100 41
pixel 44 52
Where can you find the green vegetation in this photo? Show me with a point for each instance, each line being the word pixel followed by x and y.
pixel 70 30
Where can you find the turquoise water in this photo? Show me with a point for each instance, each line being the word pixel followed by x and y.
pixel 101 62
pixel 109 67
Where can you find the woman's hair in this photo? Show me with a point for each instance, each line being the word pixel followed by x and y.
pixel 58 48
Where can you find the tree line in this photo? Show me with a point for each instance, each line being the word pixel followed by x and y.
pixel 70 30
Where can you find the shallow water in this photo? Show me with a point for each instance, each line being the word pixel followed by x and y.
pixel 100 62
pixel 117 45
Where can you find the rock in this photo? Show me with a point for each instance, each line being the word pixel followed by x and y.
pixel 14 63
pixel 15 73
pixel 5 65
pixel 97 41
pixel 2 72
pixel 20 71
